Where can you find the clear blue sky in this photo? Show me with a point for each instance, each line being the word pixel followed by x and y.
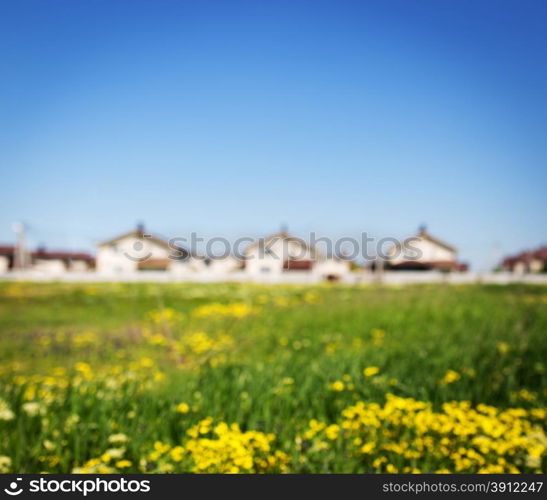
pixel 233 117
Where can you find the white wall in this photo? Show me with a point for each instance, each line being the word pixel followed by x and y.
pixel 331 267
pixel 115 258
pixel 269 260
pixel 4 264
pixel 430 252
pixel 224 265
pixel 190 265
pixel 78 265
pixel 51 266
pixel 398 278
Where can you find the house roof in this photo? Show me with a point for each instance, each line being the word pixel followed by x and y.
pixel 297 265
pixel 526 256
pixel 7 250
pixel 423 234
pixel 284 236
pixel 427 236
pixel 140 233
pixel 41 253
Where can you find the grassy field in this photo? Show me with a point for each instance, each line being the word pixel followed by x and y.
pixel 249 378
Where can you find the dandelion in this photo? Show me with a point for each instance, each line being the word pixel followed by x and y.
pixel 183 408
pixel 503 348
pixel 332 432
pixel 367 448
pixel 370 371
pixel 123 464
pixel 450 377
pixel 177 453
pixel 235 310
pixel 337 386
pixel 378 336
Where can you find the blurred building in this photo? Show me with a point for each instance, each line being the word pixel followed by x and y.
pixel 534 261
pixel 46 261
pixel 423 252
pixel 333 267
pixel 282 254
pixel 7 258
pixel 279 253
pixel 139 250
pixel 60 261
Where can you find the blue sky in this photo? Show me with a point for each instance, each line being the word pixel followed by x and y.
pixel 232 118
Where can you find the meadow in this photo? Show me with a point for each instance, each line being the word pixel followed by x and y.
pixel 272 379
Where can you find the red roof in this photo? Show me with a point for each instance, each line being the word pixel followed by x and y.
pixel 62 255
pixel 526 257
pixel 297 265
pixel 7 250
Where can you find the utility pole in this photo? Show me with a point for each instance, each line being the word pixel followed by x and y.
pixel 379 271
pixel 20 255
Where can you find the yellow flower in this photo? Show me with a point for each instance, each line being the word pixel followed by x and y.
pixel 123 464
pixel 332 432
pixel 368 448
pixel 450 377
pixel 183 408
pixel 337 386
pixel 177 453
pixel 503 347
pixel 370 371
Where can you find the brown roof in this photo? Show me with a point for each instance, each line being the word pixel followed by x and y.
pixel 7 249
pixel 526 257
pixel 153 264
pixel 297 265
pixel 62 255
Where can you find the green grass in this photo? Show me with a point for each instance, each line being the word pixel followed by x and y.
pixel 275 373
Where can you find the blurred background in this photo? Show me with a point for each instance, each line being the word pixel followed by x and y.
pixel 232 118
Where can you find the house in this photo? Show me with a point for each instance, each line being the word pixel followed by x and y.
pixel 332 267
pixel 7 258
pixel 139 250
pixel 423 252
pixel 57 262
pixel 42 260
pixel 279 253
pixel 534 261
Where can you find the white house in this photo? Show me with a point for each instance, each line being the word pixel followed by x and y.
pixel 534 261
pixel 424 252
pixel 332 268
pixel 278 254
pixel 58 262
pixel 7 253
pixel 140 251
